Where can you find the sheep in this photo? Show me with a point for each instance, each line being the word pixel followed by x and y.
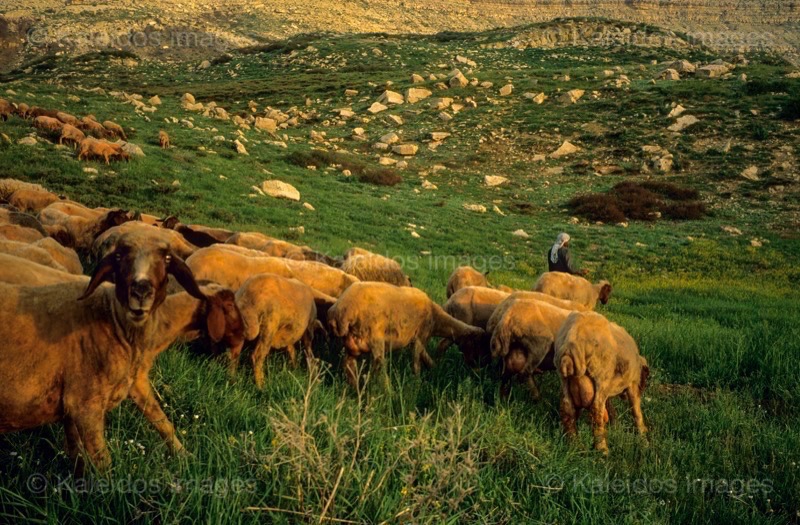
pixel 279 312
pixel 163 139
pixel 373 317
pixel 114 130
pixel 66 257
pixel 14 232
pixel 70 133
pixel 573 288
pixel 374 267
pixel 465 276
pixel 36 111
pixel 473 305
pixel 13 217
pixel 79 230
pixel 73 361
pixel 32 201
pixel 90 147
pixel 6 109
pixel 523 332
pixel 597 360
pixel 278 248
pixel 22 110
pixel 25 271
pixel 201 236
pixel 105 243
pixel 30 252
pixel 49 124
pixel 66 118
pixel 228 266
pixel 9 186
pixel 94 128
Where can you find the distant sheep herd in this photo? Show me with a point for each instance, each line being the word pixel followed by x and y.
pixel 88 136
pixel 74 347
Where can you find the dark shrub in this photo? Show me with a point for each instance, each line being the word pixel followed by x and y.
pixel 597 207
pixel 685 211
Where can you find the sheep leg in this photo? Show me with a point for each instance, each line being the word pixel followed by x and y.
pixel 443 345
pixel 532 387
pixel 567 410
pixel 233 364
pixel 308 347
pixel 350 371
pixel 74 446
pixel 636 407
pixel 259 355
pixel 142 394
pixel 378 350
pixel 292 355
pixel 599 422
pixel 422 354
pixel 89 426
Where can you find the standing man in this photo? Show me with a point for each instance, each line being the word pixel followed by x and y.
pixel 559 259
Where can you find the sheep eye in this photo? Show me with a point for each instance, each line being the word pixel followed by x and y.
pixel 118 256
pixel 168 259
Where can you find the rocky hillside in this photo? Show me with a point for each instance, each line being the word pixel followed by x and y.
pixel 202 27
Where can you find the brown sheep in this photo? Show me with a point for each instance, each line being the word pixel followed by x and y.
pixel 201 236
pixel 73 361
pixel 473 305
pixel 15 232
pixel 6 109
pixel 278 248
pixel 226 265
pixel 94 128
pixel 32 201
pixel 66 257
pixel 378 317
pixel 597 360
pixel 163 139
pixel 278 312
pixel 573 288
pixel 374 267
pixel 22 110
pixel 90 147
pixel 79 230
pixel 523 332
pixel 9 186
pixel 465 276
pixel 24 271
pixel 36 111
pixel 114 130
pixel 70 133
pixel 30 252
pixel 66 118
pixel 106 242
pixel 48 124
pixel 13 217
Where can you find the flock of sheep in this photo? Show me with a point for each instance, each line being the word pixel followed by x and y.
pixel 73 347
pixel 86 134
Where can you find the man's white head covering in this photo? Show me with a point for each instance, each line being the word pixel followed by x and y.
pixel 561 240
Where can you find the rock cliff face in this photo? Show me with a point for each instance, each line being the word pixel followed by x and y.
pixel 31 27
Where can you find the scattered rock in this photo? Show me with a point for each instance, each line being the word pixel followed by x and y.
pixel 416 79
pixel 683 67
pixel 427 185
pixel 377 107
pixel 732 230
pixel 396 119
pixel 390 97
pixel 131 149
pixel 205 64
pixel 187 98
pixel 266 124
pixel 154 100
pixel 506 90
pixel 414 95
pixel 27 141
pixel 280 189
pixel 445 116
pixel 91 171
pixel 751 173
pixel 439 136
pixel 405 149
pixel 390 138
pixel 572 96
pixel 386 161
pixel 520 233
pixel 308 206
pixel 440 103
pixel 494 180
pixel 684 122
pixel 240 149
pixel 669 74
pixel 480 208
pixel 676 111
pixel 464 60
pixel 712 71
pixel 415 234
pixel 457 79
pixel 350 92
pixel 567 148
pixel 756 243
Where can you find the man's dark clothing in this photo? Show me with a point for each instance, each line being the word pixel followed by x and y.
pixel 564 263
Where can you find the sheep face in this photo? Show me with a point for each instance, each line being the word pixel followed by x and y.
pixel 605 293
pixel 139 272
pixel 224 320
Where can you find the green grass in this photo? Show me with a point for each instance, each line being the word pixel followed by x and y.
pixel 716 317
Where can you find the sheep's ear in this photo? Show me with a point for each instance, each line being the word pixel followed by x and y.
pixel 183 274
pixel 103 272
pixel 645 374
pixel 169 222
pixel 215 321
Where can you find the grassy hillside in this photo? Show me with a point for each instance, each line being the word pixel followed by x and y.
pixel 715 314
